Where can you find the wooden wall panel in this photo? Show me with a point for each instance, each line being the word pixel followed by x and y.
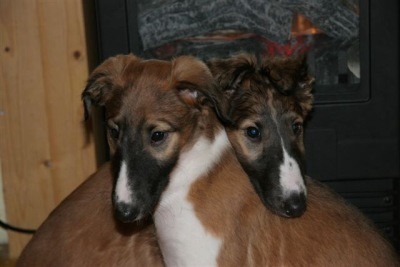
pixel 43 147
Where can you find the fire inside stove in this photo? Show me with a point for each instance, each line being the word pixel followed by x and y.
pixel 302 26
pixel 328 33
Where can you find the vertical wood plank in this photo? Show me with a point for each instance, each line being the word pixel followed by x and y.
pixel 43 68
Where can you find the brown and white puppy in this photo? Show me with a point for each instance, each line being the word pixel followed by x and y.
pixel 204 207
pixel 153 111
pixel 207 212
pixel 269 100
pixel 267 125
pixel 147 102
pixel 165 136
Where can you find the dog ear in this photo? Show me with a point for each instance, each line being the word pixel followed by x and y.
pixel 305 84
pixel 104 80
pixel 284 73
pixel 290 76
pixel 229 73
pixel 196 86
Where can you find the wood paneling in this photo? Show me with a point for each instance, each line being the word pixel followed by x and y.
pixel 43 67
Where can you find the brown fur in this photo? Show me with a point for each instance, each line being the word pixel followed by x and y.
pixel 82 230
pixel 330 233
pixel 288 75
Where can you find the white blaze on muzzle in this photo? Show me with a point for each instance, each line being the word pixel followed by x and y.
pixel 290 177
pixel 122 190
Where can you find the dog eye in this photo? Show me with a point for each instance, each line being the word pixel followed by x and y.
pixel 297 128
pixel 158 137
pixel 253 133
pixel 114 132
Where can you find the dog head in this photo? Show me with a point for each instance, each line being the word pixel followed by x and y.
pixel 152 110
pixel 269 100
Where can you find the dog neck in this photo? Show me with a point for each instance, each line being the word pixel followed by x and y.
pixel 182 237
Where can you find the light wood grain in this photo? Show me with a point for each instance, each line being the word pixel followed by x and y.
pixel 43 68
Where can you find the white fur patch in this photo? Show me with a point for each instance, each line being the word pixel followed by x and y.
pixel 290 179
pixel 183 239
pixel 122 190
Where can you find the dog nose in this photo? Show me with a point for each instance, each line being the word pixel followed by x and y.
pixel 126 213
pixel 295 205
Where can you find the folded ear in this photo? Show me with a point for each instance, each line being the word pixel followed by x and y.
pixel 284 72
pixel 229 73
pixel 290 77
pixel 196 86
pixel 104 80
